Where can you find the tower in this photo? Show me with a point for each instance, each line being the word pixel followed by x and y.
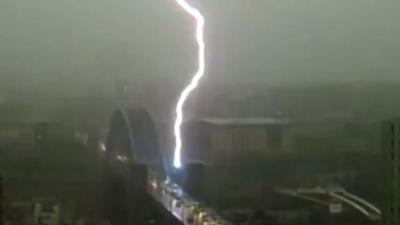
pixel 390 145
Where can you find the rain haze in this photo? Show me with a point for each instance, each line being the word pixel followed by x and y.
pixel 47 47
pixel 293 123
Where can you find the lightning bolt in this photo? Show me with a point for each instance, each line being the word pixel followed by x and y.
pixel 198 17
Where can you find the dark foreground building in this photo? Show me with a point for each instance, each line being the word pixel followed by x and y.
pixel 391 151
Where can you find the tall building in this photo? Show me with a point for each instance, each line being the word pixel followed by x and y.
pixel 208 138
pixel 391 151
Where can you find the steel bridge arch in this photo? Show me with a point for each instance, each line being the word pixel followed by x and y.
pixel 132 134
pixel 131 144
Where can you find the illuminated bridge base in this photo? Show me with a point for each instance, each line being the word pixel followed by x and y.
pixel 136 188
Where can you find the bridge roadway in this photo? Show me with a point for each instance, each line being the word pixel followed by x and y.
pixel 137 188
pixel 182 206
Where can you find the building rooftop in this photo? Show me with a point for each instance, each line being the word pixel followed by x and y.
pixel 244 121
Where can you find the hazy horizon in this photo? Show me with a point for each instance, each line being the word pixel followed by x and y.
pixel 84 47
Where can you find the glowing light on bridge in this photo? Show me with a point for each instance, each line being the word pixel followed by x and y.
pixel 199 34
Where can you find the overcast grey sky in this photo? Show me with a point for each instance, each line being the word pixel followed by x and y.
pixel 82 46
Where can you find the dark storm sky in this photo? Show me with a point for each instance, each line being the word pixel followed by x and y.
pixel 73 47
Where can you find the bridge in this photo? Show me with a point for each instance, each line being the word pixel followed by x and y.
pixel 138 186
pixel 141 188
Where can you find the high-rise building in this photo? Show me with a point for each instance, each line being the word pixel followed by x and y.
pixel 391 151
pixel 1 201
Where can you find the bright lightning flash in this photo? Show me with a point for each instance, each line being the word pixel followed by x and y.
pixel 195 80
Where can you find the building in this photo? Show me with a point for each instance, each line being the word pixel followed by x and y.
pixel 391 150
pixel 206 138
